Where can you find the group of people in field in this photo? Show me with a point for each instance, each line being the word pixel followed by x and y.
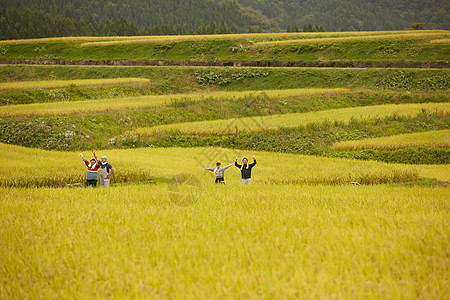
pixel 246 170
pixel 94 166
pixel 106 170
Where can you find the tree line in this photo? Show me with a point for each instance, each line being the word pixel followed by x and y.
pixel 306 28
pixel 15 24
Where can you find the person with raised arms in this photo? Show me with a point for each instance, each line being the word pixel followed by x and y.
pixel 93 166
pixel 220 172
pixel 106 170
pixel 246 169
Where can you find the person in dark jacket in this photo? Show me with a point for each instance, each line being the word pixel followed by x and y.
pixel 246 169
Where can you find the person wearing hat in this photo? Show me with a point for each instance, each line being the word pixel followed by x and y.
pixel 106 170
pixel 93 166
pixel 246 169
pixel 219 171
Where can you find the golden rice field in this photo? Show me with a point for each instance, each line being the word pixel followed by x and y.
pixel 255 36
pixel 111 40
pixel 169 38
pixel 101 105
pixel 247 242
pixel 435 138
pixel 52 84
pixel 253 124
pixel 53 168
pixel 440 41
pixel 355 38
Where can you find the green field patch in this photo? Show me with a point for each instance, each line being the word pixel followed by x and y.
pixel 52 84
pixel 103 105
pixel 274 122
pixel 436 138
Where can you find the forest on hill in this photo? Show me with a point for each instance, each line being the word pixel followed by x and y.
pixel 45 18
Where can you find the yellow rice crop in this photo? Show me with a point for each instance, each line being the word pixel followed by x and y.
pixel 440 41
pixel 437 138
pixel 68 39
pixel 51 84
pixel 91 106
pixel 178 38
pixel 50 166
pixel 235 242
pixel 355 38
pixel 440 172
pixel 253 124
pixel 257 36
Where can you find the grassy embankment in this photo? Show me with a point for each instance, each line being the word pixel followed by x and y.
pixel 396 46
pixel 255 124
pixel 108 119
pixel 145 102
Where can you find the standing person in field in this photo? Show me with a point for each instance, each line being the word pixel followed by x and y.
pixel 93 166
pixel 106 170
pixel 246 169
pixel 220 172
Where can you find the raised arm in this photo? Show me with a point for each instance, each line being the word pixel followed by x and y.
pixel 226 167
pixel 254 161
pixel 209 169
pixel 95 156
pixel 236 164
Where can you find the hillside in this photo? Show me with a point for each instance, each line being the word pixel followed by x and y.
pixel 348 134
pixel 216 16
pixel 354 15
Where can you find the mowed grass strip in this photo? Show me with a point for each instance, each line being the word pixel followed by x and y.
pixel 101 105
pixel 52 84
pixel 356 38
pixel 52 168
pixel 249 36
pixel 435 138
pixel 254 124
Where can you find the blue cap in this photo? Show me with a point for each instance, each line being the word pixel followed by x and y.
pixel 218 164
pixel 104 157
